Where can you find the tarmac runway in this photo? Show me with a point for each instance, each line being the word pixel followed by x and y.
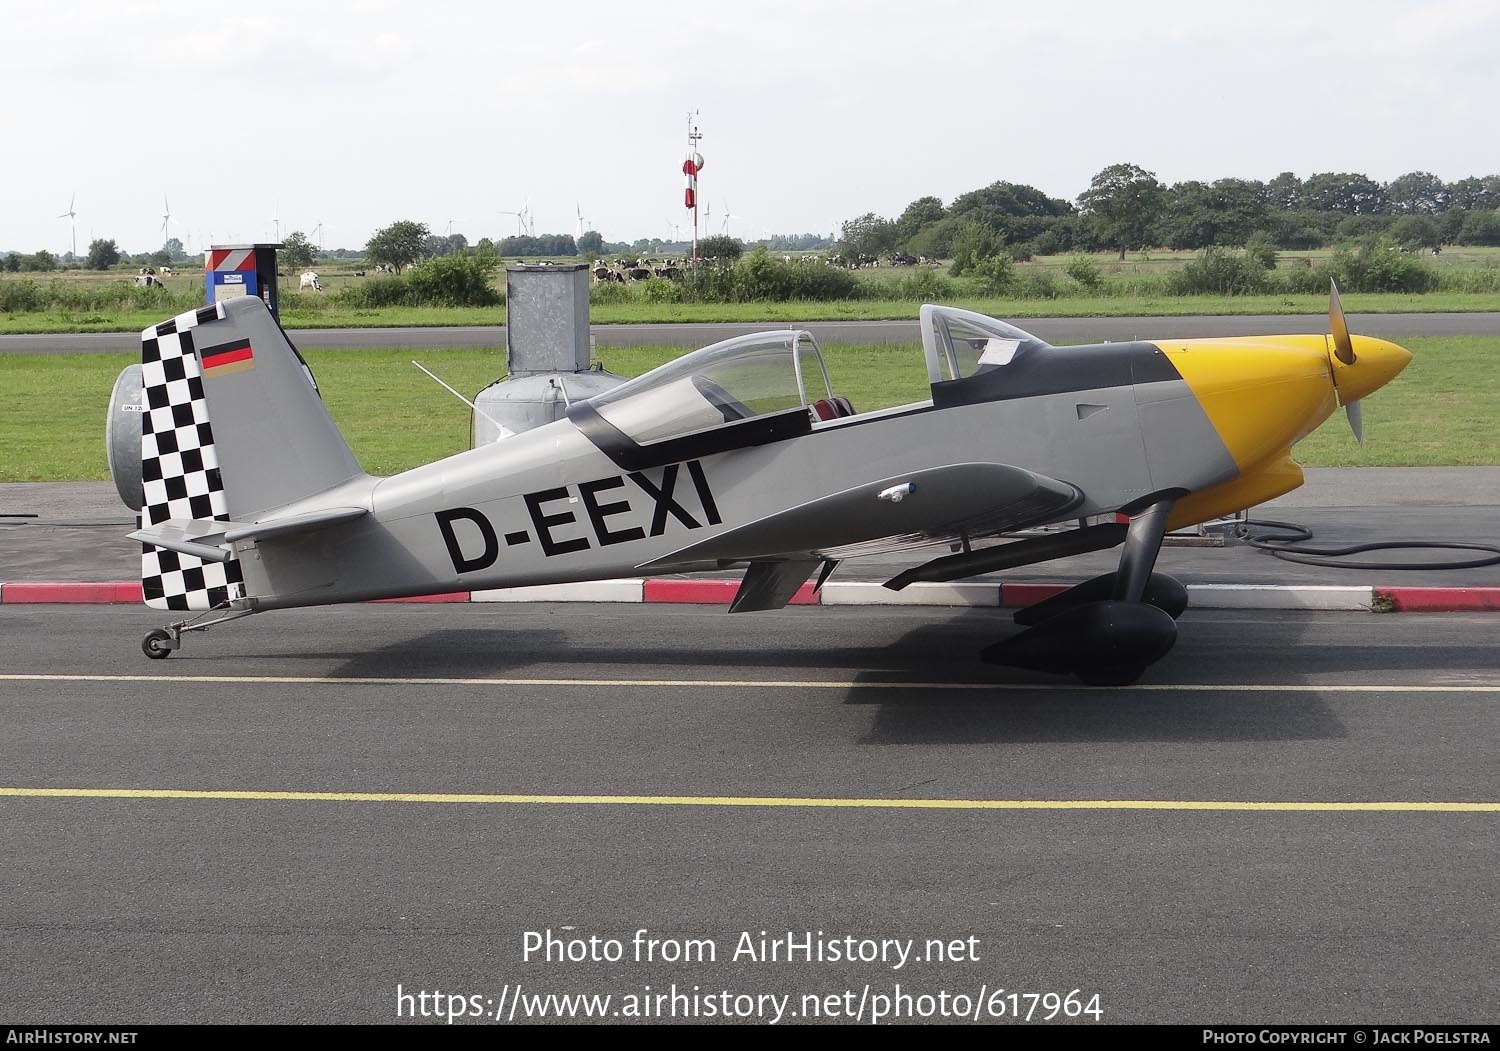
pixel 1292 820
pixel 1054 330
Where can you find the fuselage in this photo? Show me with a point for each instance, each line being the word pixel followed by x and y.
pixel 1210 420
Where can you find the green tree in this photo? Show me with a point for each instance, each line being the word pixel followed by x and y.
pixel 867 235
pixel 1347 192
pixel 399 245
pixel 555 245
pixel 451 244
pixel 297 251
pixel 1284 193
pixel 591 244
pixel 174 249
pixel 485 249
pixel 1196 215
pixel 1418 193
pixel 1121 206
pixel 1479 228
pixel 1476 194
pixel 924 211
pixel 12 262
pixel 720 246
pixel 103 254
pixel 935 240
pixel 1412 232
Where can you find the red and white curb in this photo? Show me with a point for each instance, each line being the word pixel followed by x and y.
pixel 1013 596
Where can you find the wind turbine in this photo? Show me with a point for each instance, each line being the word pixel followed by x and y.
pixel 728 215
pixel 318 233
pixel 276 221
pixel 582 222
pixel 520 221
pixel 450 225
pixel 166 219
pixel 72 218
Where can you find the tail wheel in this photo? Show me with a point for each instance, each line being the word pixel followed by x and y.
pixel 157 644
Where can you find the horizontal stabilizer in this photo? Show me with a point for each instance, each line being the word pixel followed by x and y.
pixel 283 524
pixel 937 502
pixel 194 537
pixel 210 539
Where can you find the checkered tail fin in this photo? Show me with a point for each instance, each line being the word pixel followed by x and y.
pixel 180 468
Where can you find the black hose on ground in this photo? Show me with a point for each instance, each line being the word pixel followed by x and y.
pixel 1280 544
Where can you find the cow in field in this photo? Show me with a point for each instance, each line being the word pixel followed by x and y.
pixel 309 280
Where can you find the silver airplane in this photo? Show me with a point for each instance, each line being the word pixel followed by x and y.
pixel 741 454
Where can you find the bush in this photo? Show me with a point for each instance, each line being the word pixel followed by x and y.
pixel 973 243
pixel 452 281
pixel 923 286
pixel 1218 272
pixel 610 293
pixel 1262 250
pixel 1085 271
pixel 382 290
pixel 760 277
pixel 1379 266
pixel 1481 280
pixel 709 283
pixel 1302 280
pixel 660 290
pixel 19 296
pixel 1037 283
pixel 994 275
pixel 28 295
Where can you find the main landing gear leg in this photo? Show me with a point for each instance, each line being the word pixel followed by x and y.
pixel 160 642
pixel 1109 642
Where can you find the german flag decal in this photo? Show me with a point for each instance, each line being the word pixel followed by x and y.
pixel 228 358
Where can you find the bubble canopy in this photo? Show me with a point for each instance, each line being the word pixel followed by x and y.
pixel 749 390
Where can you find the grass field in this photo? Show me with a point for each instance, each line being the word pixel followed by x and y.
pixel 1438 412
pixel 1135 286
pixel 797 312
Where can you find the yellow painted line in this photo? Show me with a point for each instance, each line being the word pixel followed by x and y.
pixel 788 802
pixel 799 684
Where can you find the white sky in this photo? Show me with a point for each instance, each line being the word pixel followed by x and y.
pixel 813 111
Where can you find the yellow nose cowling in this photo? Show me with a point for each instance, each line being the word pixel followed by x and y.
pixel 1260 394
pixel 1376 363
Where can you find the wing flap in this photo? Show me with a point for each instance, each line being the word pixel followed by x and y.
pixel 771 585
pixel 924 505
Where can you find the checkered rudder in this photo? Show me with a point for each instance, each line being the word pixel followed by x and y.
pixel 179 467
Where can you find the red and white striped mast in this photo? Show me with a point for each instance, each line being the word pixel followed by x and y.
pixel 691 166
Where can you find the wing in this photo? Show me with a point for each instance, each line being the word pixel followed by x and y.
pixel 922 507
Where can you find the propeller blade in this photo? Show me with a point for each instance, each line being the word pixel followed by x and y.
pixel 1343 346
pixel 1356 421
